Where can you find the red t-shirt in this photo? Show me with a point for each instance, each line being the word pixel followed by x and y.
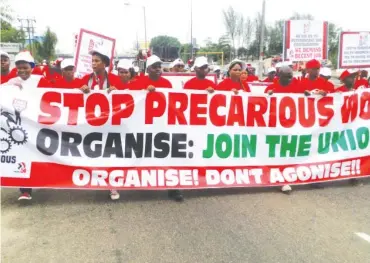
pixel 144 82
pixel 293 87
pixel 269 81
pixel 5 78
pixel 252 78
pixel 228 85
pixel 319 83
pixel 199 84
pixel 113 80
pixel 63 84
pixel 45 83
pixel 361 82
pixel 342 89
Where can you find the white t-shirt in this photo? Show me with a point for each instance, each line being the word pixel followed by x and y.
pixel 31 82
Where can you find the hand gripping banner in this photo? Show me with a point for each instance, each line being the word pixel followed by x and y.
pixel 180 139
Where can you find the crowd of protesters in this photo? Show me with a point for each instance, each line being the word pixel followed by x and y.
pixel 280 79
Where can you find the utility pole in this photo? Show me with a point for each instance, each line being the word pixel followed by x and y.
pixel 30 29
pixel 262 40
pixel 191 29
pixel 146 43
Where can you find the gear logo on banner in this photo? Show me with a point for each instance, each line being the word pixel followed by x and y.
pixel 13 134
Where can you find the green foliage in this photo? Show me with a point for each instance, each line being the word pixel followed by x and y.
pixel 8 32
pixel 165 41
pixel 46 49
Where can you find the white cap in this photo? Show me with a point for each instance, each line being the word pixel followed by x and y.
pixel 124 64
pixel 177 62
pixel 215 68
pixel 101 51
pixel 325 72
pixel 269 70
pixel 287 63
pixel 3 53
pixel 236 61
pixel 136 68
pixel 200 62
pixel 152 60
pixel 24 56
pixel 278 65
pixel 68 62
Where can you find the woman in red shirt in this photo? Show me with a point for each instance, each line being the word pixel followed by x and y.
pixel 126 74
pixel 100 79
pixel 6 74
pixel 233 82
pixel 67 81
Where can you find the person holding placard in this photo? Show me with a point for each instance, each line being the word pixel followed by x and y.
pixel 100 79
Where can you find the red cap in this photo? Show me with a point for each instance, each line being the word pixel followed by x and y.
pixel 313 63
pixel 347 73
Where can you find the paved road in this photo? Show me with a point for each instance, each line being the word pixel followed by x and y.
pixel 227 225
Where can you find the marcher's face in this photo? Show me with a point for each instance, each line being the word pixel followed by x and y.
pixel 243 75
pixel 218 73
pixel 178 68
pixel 272 75
pixel 24 70
pixel 286 78
pixel 5 64
pixel 124 75
pixel 304 72
pixel 252 71
pixel 364 73
pixel 68 73
pixel 97 64
pixel 235 72
pixel 201 72
pixel 349 81
pixel 155 71
pixel 313 72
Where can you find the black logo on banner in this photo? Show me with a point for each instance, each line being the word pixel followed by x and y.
pixel 12 132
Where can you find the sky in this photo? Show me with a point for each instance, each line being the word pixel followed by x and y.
pixel 172 17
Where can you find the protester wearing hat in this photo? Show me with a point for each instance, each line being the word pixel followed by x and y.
pixel 6 74
pixel 24 63
pixel 278 66
pixel 325 73
pixel 126 73
pixel 68 81
pixel 362 80
pixel 200 82
pixel 271 75
pixel 154 79
pixel 314 84
pixel 285 84
pixel 177 66
pixel 252 74
pixel 348 79
pixel 233 82
pixel 100 79
pixel 217 70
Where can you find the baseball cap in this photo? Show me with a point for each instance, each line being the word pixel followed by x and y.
pixel 25 56
pixel 236 61
pixel 177 62
pixel 269 70
pixel 287 63
pixel 68 62
pixel 215 68
pixel 125 64
pixel 200 62
pixel 313 63
pixel 279 65
pixel 152 60
pixel 325 72
pixel 4 54
pixel 101 52
pixel 348 73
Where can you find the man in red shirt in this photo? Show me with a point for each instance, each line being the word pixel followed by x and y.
pixel 271 75
pixel 325 73
pixel 252 74
pixel 314 84
pixel 6 74
pixel 68 81
pixel 153 79
pixel 362 80
pixel 348 79
pixel 285 84
pixel 200 82
pixel 100 79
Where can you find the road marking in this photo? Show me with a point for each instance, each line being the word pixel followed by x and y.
pixel 364 236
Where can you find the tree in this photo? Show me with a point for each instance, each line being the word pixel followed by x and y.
pixel 297 16
pixel 275 38
pixel 248 30
pixel 333 39
pixel 165 41
pixel 8 32
pixel 46 48
pixel 231 18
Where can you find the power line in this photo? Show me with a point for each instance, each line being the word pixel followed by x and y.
pixel 30 29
